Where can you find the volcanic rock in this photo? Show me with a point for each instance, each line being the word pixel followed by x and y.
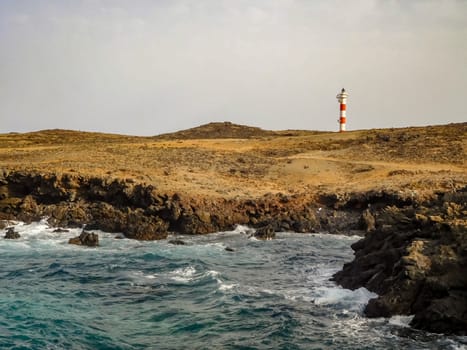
pixel 11 234
pixel 60 230
pixel 89 239
pixel 265 232
pixel 176 242
pixel 367 221
pixel 416 261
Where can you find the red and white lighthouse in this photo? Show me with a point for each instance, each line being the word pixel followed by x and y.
pixel 342 98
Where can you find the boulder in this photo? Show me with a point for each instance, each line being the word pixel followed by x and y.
pixel 88 239
pixel 60 230
pixel 11 234
pixel 177 242
pixel 265 232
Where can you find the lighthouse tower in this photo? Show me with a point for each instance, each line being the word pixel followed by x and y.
pixel 342 98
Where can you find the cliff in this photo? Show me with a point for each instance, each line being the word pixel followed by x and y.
pixel 415 258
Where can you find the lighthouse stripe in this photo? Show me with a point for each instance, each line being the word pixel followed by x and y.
pixel 343 113
pixel 343 107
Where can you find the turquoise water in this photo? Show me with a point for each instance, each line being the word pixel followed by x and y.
pixel 128 294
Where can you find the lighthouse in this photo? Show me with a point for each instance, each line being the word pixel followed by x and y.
pixel 342 98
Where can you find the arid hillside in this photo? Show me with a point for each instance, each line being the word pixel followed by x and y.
pixel 228 160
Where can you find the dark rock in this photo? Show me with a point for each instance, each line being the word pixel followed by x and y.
pixel 3 224
pixel 142 227
pixel 415 259
pixel 60 230
pixel 367 221
pixel 265 232
pixel 304 226
pixel 229 249
pixel 11 234
pixel 446 315
pixel 88 239
pixel 176 242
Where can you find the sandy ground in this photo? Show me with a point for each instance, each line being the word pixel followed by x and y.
pixel 210 162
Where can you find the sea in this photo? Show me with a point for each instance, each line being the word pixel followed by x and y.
pixel 128 294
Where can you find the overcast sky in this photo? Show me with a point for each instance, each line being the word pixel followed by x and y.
pixel 145 67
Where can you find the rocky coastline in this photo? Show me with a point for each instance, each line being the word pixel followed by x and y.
pixel 415 258
pixel 402 190
pixel 141 212
pixel 413 254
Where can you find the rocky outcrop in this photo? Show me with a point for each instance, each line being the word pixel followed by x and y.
pixel 176 242
pixel 141 212
pixel 88 239
pixel 265 233
pixel 11 234
pixel 415 259
pixel 367 221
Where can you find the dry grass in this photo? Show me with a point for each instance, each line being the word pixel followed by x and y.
pixel 249 165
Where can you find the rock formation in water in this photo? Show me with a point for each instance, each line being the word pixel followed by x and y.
pixel 415 259
pixel 88 239
pixel 11 233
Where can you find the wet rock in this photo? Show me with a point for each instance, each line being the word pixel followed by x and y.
pixel 142 227
pixel 88 239
pixel 367 221
pixel 60 230
pixel 416 261
pixel 229 249
pixel 176 242
pixel 444 315
pixel 265 232
pixel 11 234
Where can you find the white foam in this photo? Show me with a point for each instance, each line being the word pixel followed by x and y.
pixel 352 299
pixel 327 235
pixel 303 294
pixel 139 278
pixel 400 320
pixel 226 286
pixel 36 236
pixel 455 346
pixel 242 229
pixel 213 273
pixel 183 275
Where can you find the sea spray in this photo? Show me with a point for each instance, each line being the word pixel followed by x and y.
pixel 129 294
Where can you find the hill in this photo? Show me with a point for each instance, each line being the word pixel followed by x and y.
pixel 219 130
pixel 228 160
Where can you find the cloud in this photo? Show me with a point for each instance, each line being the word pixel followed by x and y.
pixel 145 67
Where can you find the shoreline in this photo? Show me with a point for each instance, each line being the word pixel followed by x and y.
pixel 404 189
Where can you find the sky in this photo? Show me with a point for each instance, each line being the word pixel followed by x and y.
pixel 146 67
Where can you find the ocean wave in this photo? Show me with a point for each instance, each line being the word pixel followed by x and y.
pixel 183 275
pixel 400 320
pixel 345 298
